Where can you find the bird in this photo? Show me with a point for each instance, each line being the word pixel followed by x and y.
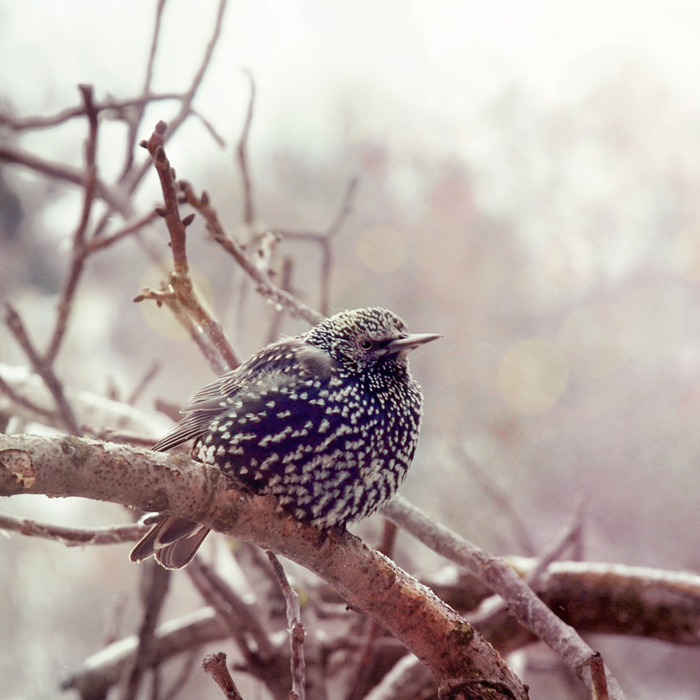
pixel 326 421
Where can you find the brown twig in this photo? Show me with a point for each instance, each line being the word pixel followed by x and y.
pixel 59 171
pixel 242 616
pixel 242 153
pixel 296 631
pixel 101 242
pixel 266 288
pixel 323 240
pixel 263 659
pixel 186 98
pixel 180 279
pixel 215 666
pixel 43 369
pixel 135 119
pixel 40 412
pixel 155 585
pixel 79 253
pixel 110 104
pixel 70 536
pixel 145 381
pixel 500 498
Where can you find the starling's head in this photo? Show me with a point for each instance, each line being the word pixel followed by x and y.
pixel 365 338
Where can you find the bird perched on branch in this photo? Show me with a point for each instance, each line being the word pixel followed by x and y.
pixel 326 421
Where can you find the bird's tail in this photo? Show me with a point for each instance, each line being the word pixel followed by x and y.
pixel 174 542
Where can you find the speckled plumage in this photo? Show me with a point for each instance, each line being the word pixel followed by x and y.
pixel 326 421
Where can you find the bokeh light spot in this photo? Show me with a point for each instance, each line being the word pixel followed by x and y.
pixel 532 376
pixel 382 249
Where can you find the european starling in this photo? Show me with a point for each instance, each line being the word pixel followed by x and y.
pixel 326 421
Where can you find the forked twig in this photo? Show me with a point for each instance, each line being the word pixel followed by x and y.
pixel 296 631
pixel 265 287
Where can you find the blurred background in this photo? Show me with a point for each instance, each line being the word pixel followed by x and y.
pixel 528 178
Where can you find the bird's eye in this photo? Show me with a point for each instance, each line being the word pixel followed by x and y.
pixel 366 344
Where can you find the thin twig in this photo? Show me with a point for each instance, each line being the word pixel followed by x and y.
pixel 43 369
pixel 215 666
pixel 296 631
pixel 59 171
pixel 187 98
pixel 71 536
pixel 6 389
pixel 145 381
pixel 323 240
pixel 180 279
pixel 500 498
pixel 101 242
pixel 79 254
pixel 178 684
pixel 134 120
pixel 110 104
pixel 266 288
pixel 155 585
pixel 240 614
pixel 242 153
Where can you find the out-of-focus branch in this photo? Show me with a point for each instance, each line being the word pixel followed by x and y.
pixel 71 536
pixel 323 239
pixel 103 670
pixel 592 597
pixel 79 252
pixel 135 119
pixel 186 98
pixel 67 173
pixel 265 287
pixel 263 659
pixel 242 153
pixel 456 654
pixel 28 397
pixel 155 584
pixel 44 369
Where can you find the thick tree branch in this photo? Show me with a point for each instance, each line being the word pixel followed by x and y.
pixel 495 572
pixel 462 662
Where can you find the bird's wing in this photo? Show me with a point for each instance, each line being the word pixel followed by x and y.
pixel 283 364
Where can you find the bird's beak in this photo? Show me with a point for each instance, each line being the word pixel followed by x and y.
pixel 402 346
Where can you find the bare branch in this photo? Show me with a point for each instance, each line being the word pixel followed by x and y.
pixel 67 173
pixel 266 288
pixel 155 589
pixel 215 666
pixel 523 604
pixel 70 536
pixel 43 369
pixel 187 98
pixel 323 240
pixel 28 397
pixel 101 242
pixel 79 253
pixel 455 653
pixel 180 280
pixel 295 629
pixel 242 153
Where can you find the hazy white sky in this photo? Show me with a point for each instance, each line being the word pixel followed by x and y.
pixel 310 45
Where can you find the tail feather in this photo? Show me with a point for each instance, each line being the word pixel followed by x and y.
pixel 174 542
